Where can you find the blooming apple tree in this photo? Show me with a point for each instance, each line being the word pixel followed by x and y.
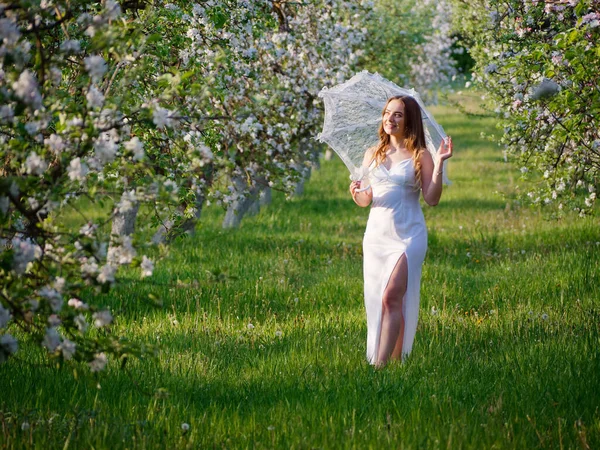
pixel 273 60
pixel 108 110
pixel 540 65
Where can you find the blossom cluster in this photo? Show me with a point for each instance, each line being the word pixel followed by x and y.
pixel 539 64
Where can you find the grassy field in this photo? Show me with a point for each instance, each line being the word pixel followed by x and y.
pixel 262 333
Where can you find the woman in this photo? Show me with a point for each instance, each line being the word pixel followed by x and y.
pixel 395 240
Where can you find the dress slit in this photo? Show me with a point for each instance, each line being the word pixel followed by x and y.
pixel 388 278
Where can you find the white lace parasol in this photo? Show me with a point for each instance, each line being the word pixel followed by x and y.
pixel 353 114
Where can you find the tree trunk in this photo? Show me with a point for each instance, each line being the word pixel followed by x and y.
pixel 306 172
pixel 265 197
pixel 240 206
pixel 123 224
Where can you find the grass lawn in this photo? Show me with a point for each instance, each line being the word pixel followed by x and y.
pixel 262 332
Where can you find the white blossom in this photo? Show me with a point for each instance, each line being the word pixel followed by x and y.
pixel 54 320
pixel 9 32
pixel 171 186
pixel 53 296
pixel 33 127
pixel 59 284
pixel 67 348
pixel 547 88
pixel 95 98
pixel 105 148
pixel 162 117
pixel 589 201
pixel 26 88
pixel 75 303
pixel 107 274
pixel 55 76
pixel 35 165
pixel 90 268
pixel 55 143
pixel 206 152
pixel 70 46
pixel 147 267
pixel 25 252
pixel 593 19
pixel 113 9
pixel 7 114
pixel 81 323
pixel 102 318
pixel 135 146
pixel 88 229
pixel 51 339
pixel 490 68
pixel 77 170
pixel 122 254
pixel 128 200
pixel 98 363
pixel 95 66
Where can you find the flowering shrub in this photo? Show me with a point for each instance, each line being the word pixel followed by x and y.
pixel 540 65
pixel 105 109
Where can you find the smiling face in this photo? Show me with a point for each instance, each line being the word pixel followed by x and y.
pixel 393 118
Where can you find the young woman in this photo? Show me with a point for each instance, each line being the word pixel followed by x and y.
pixel 395 240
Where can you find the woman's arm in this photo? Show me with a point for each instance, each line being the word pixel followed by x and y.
pixel 431 172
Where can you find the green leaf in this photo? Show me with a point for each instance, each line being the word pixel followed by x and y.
pixel 154 38
pixel 573 35
pixel 219 19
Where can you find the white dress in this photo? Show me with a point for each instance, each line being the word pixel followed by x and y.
pixel 396 226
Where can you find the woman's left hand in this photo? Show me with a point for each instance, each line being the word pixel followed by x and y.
pixel 445 150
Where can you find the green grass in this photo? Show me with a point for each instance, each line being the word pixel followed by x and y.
pixel 510 359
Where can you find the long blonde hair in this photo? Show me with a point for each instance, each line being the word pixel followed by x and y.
pixel 414 135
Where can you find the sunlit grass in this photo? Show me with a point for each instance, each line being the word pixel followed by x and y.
pixel 262 332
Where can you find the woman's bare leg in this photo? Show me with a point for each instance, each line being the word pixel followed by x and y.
pixel 392 319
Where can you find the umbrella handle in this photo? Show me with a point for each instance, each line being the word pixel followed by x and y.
pixel 363 189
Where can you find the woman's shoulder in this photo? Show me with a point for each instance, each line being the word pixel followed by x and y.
pixel 369 156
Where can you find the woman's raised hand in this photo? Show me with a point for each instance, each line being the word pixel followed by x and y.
pixel 445 150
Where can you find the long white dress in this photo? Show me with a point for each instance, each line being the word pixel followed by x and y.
pixel 396 226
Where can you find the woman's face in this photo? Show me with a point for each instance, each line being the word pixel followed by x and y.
pixel 393 118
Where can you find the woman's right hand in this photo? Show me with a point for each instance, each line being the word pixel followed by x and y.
pixel 361 198
pixel 354 186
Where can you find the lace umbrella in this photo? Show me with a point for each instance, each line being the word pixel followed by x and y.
pixel 353 114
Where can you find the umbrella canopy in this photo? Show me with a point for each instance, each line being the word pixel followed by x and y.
pixel 353 114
